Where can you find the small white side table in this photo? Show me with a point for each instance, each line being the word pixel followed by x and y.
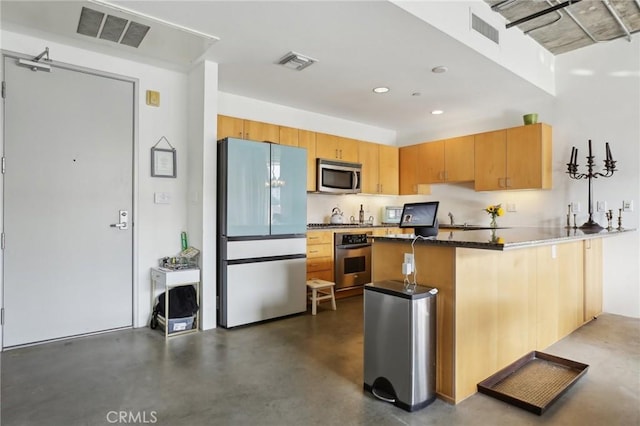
pixel 165 279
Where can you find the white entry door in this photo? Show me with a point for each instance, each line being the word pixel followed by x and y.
pixel 69 172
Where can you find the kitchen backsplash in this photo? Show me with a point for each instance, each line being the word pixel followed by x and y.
pixel 319 206
pixel 466 205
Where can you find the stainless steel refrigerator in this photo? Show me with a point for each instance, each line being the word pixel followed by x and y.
pixel 262 214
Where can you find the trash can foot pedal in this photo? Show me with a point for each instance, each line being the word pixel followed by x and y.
pixel 383 389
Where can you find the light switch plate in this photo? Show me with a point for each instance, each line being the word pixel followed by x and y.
pixel 162 198
pixel 601 206
pixel 153 98
pixel 627 205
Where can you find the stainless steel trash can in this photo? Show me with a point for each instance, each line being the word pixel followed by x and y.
pixel 400 343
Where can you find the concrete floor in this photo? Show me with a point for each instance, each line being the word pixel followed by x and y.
pixel 303 370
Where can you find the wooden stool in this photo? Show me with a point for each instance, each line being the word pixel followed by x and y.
pixel 321 290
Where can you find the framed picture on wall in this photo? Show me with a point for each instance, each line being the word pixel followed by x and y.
pixel 163 162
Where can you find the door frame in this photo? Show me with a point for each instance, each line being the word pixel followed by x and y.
pixel 135 289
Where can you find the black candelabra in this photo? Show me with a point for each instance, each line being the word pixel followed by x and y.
pixel 572 170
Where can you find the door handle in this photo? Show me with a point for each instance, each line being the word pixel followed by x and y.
pixel 124 221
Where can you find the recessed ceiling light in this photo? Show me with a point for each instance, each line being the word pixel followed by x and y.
pixel 439 69
pixel 437 112
pixel 380 89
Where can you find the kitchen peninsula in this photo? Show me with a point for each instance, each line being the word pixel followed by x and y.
pixel 501 293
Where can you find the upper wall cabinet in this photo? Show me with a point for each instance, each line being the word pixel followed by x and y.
pixel 516 158
pixel 459 162
pixel 379 168
pixel 409 183
pixel 336 148
pixel 307 139
pixel 289 136
pixel 448 160
pixel 247 129
pixel 389 163
pixel 230 127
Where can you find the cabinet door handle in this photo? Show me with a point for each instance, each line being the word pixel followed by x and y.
pixel 501 182
pixel 508 182
pixel 313 251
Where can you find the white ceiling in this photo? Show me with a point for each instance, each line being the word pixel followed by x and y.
pixel 359 45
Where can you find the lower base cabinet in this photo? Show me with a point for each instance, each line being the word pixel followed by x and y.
pixel 494 307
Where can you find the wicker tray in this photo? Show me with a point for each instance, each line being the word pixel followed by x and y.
pixel 533 382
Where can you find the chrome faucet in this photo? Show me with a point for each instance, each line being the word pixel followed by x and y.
pixel 451 218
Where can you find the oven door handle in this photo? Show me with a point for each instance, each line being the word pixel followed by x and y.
pixel 353 246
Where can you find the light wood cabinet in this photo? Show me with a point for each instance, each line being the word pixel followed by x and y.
pixel 493 307
pixel 388 174
pixel 560 291
pixel 307 139
pixel 379 168
pixel 247 129
pixel 288 136
pixel 459 162
pixel 409 183
pixel 336 147
pixel 431 162
pixel 320 255
pixel 230 127
pixel 447 160
pixel 379 232
pixel 592 278
pixel 262 132
pixel 516 158
pixel 369 158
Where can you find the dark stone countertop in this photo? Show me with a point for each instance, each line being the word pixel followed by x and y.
pixel 329 227
pixel 502 238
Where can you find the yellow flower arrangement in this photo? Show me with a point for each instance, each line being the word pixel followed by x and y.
pixel 494 211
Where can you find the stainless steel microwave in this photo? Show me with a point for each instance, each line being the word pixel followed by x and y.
pixel 338 177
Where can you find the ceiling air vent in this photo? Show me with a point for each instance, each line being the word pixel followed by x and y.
pixel 112 28
pixel 485 29
pixel 296 61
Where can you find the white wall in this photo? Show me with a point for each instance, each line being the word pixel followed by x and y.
pixel 253 109
pixel 514 51
pixel 157 226
pixel 599 99
pixel 203 104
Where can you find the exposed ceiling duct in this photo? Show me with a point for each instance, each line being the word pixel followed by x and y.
pixel 562 26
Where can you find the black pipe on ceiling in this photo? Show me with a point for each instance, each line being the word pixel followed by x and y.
pixel 542 12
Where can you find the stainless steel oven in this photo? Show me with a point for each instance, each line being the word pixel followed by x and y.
pixel 352 259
